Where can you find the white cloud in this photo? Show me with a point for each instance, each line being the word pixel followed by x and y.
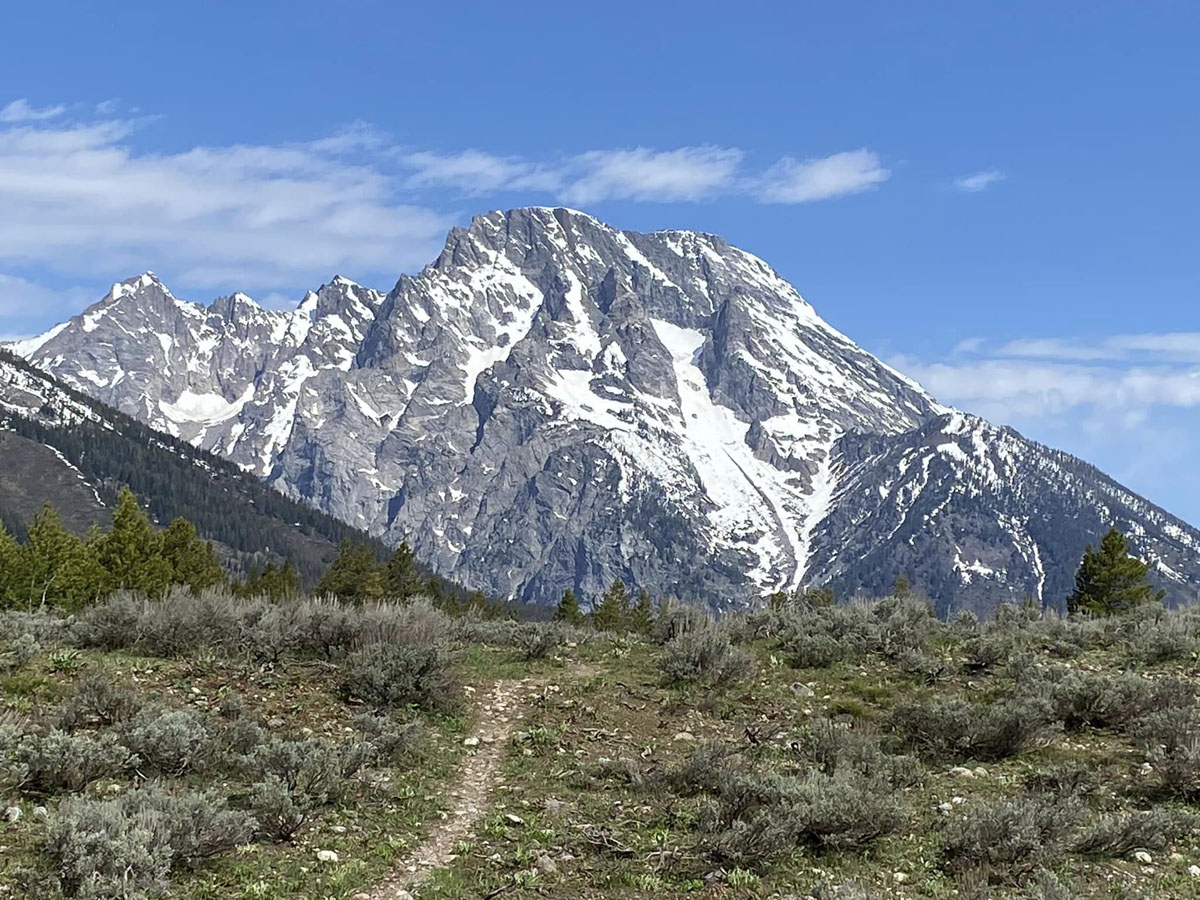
pixel 978 181
pixel 1180 346
pixel 81 198
pixel 686 174
pixel 794 181
pixel 22 298
pixel 22 111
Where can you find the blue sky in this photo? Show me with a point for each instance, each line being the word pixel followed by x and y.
pixel 999 198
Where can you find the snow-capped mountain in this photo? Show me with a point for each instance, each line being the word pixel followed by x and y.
pixel 554 402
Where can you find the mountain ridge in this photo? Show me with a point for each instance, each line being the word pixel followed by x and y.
pixel 553 402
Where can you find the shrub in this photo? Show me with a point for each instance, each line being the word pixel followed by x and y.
pixel 1172 741
pixel 61 763
pixel 111 624
pixel 329 626
pixel 127 847
pixel 1117 834
pixel 1113 701
pixel 387 736
pixel 1008 838
pixel 299 777
pixel 836 749
pixel 1165 636
pixel 21 651
pixel 96 700
pixel 418 623
pixel 760 816
pixel 704 654
pixel 675 619
pixel 539 640
pixel 395 676
pixel 170 741
pixel 952 729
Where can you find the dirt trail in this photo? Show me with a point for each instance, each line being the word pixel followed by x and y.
pixel 497 715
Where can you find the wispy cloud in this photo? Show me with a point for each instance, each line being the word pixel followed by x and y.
pixel 978 181
pixel 795 181
pixel 1118 379
pixel 684 174
pixel 22 111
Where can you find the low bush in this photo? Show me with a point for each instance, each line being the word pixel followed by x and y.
pixel 833 748
pixel 704 655
pixel 675 619
pixel 62 763
pixel 1171 738
pixel 127 847
pixel 956 729
pixel 170 741
pixel 1006 839
pixel 1166 636
pixel 111 624
pixel 97 701
pixel 1093 699
pixel 395 676
pixel 1117 834
pixel 298 777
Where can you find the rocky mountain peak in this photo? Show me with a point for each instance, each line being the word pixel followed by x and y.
pixel 555 402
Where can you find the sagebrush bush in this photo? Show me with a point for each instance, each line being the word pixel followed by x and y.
pixel 1171 738
pixel 834 748
pixel 1119 833
pixel 704 655
pixel 1098 700
pixel 395 676
pixel 674 619
pixel 127 847
pixel 98 701
pixel 956 729
pixel 20 652
pixel 43 626
pixel 1011 837
pixel 298 777
pixel 170 741
pixel 111 624
pixel 540 640
pixel 1161 636
pixel 62 763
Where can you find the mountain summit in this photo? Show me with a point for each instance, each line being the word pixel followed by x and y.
pixel 557 403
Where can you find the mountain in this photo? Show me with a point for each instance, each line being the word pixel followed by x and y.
pixel 554 402
pixel 62 447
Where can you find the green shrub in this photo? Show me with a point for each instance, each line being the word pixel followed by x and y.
pixel 62 763
pixel 111 624
pixel 395 676
pixel 836 749
pixel 127 847
pixel 170 741
pixel 956 729
pixel 1098 700
pixel 1009 838
pixel 705 655
pixel 1117 834
pixel 1172 741
pixel 298 777
pixel 98 701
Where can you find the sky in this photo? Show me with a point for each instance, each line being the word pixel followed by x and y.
pixel 998 198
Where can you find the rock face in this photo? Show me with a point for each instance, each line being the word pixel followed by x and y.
pixel 553 403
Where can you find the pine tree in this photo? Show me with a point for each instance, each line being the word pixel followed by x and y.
pixel 354 576
pixel 611 613
pixel 271 581
pixel 641 617
pixel 131 552
pixel 403 579
pixel 568 609
pixel 54 566
pixel 193 562
pixel 902 587
pixel 1110 581
pixel 10 560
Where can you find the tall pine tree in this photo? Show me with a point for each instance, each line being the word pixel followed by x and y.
pixel 354 576
pixel 1110 581
pixel 568 609
pixel 131 553
pixel 641 617
pixel 403 579
pixel 56 567
pixel 613 610
pixel 193 562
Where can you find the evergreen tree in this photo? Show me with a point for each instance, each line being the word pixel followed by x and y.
pixel 354 576
pixel 568 609
pixel 403 579
pixel 54 566
pixel 10 560
pixel 613 610
pixel 131 553
pixel 1110 581
pixel 641 617
pixel 271 581
pixel 902 587
pixel 193 562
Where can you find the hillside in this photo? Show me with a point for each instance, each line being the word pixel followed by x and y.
pixel 554 402
pixel 62 447
pixel 804 751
